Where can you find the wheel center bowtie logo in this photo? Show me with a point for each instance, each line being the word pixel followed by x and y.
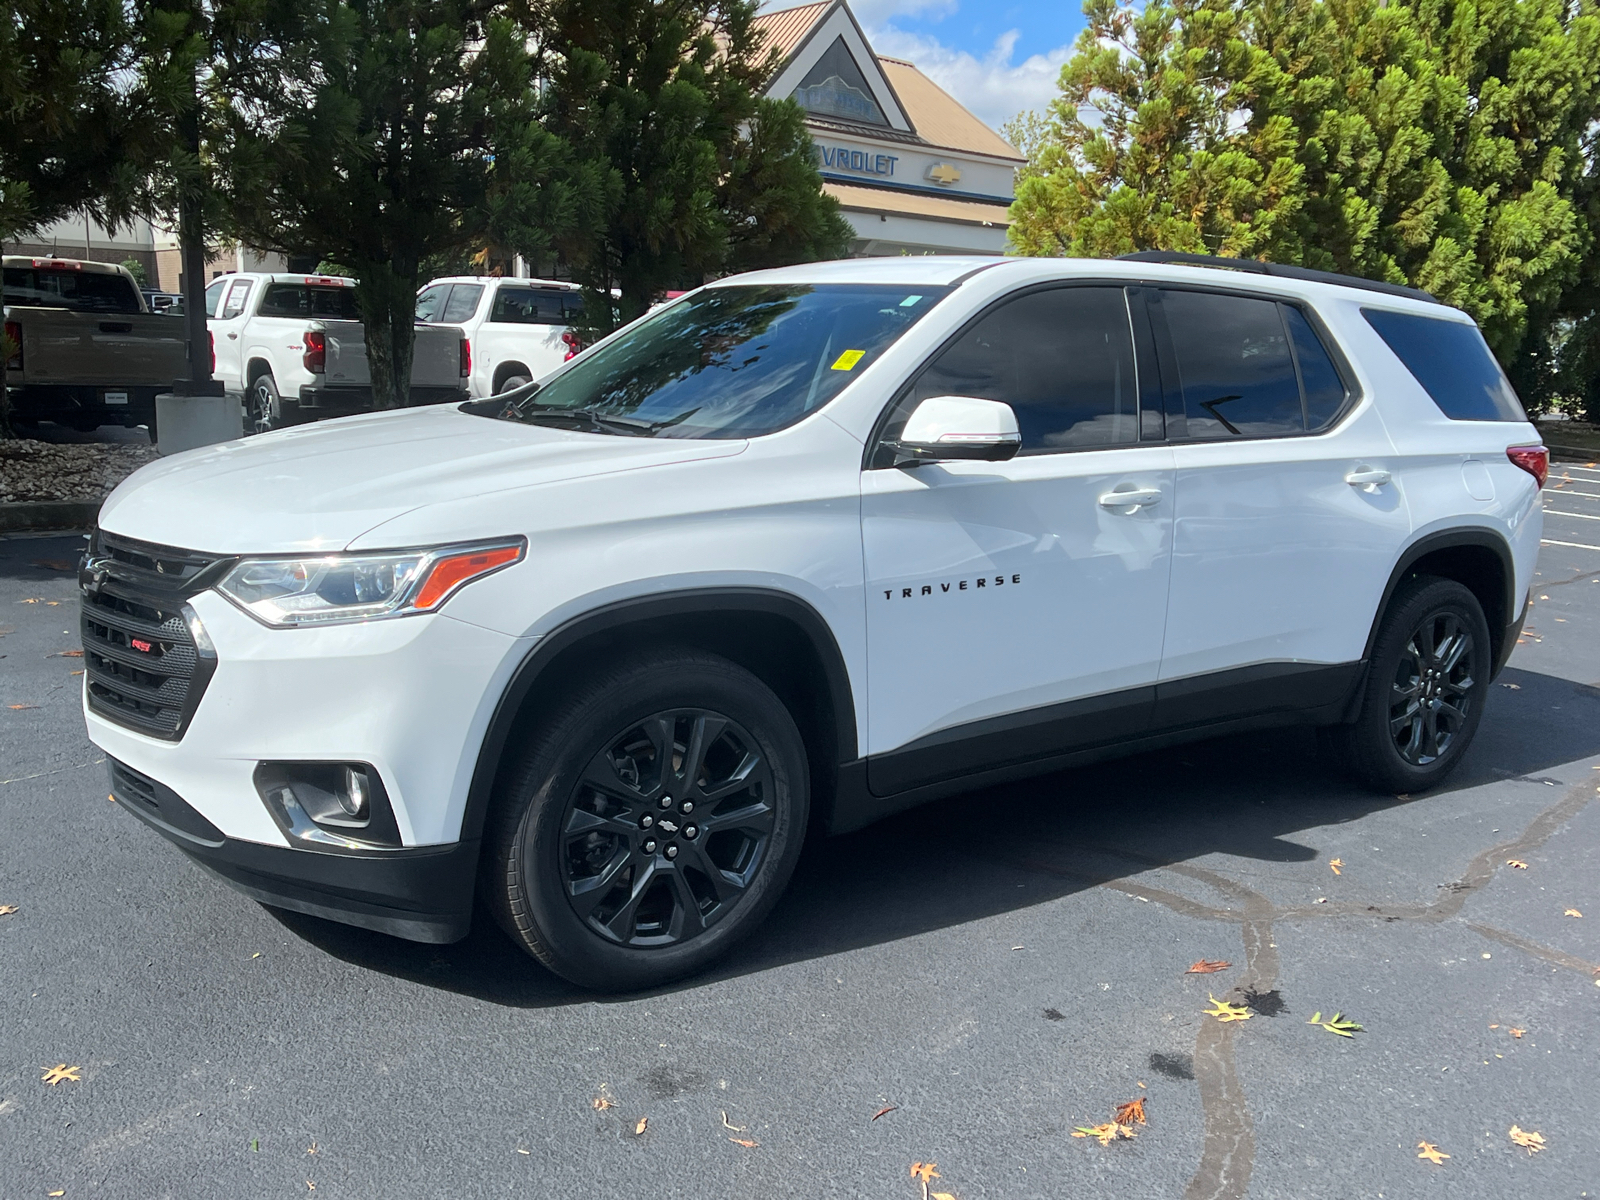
pixel 954 585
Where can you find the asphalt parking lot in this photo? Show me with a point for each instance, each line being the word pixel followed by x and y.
pixel 994 971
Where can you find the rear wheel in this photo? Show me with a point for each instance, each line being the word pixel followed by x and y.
pixel 1425 689
pixel 651 825
pixel 510 382
pixel 266 405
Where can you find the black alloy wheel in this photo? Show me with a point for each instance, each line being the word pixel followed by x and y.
pixel 667 828
pixel 651 820
pixel 1423 695
pixel 1434 689
pixel 266 406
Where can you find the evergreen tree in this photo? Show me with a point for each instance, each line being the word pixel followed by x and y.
pixel 381 133
pixel 695 172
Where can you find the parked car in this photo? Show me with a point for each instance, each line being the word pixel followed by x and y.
pixel 293 349
pixel 518 328
pixel 166 304
pixel 88 351
pixel 818 543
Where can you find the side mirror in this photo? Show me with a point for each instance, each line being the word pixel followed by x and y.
pixel 943 428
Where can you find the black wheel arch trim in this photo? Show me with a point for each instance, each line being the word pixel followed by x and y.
pixel 1501 632
pixel 621 613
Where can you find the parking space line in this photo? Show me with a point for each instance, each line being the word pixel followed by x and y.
pixel 1550 512
pixel 1573 545
pixel 1563 491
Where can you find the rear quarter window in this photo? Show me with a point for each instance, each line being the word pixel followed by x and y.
pixel 1453 364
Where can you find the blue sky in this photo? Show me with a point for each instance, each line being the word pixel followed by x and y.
pixel 996 58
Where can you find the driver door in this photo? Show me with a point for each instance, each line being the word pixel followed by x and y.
pixel 1015 609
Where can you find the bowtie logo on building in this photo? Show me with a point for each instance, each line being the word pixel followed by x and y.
pixel 944 174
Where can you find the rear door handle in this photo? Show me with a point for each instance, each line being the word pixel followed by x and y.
pixel 1368 478
pixel 233 337
pixel 1131 499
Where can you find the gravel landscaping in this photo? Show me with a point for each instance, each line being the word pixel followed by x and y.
pixel 32 471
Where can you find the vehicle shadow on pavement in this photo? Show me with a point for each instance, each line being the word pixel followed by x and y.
pixel 41 559
pixel 977 855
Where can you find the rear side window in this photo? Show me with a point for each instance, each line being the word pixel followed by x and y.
pixel 1453 364
pixel 303 300
pixel 78 291
pixel 431 301
pixel 1235 370
pixel 1319 378
pixel 463 302
pixel 1062 359
pixel 535 306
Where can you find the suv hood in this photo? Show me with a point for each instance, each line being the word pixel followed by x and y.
pixel 319 487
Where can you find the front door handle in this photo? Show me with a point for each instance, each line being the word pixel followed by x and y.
pixel 1132 499
pixel 1367 478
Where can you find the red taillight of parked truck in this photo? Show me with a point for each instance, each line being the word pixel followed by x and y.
pixel 316 355
pixel 211 340
pixel 14 341
pixel 466 358
pixel 573 343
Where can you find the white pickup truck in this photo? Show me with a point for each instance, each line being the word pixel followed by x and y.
pixel 518 328
pixel 292 347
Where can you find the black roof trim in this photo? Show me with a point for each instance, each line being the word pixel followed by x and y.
pixel 1284 272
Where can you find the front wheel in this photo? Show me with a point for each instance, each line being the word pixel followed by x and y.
pixel 651 824
pixel 266 405
pixel 1425 688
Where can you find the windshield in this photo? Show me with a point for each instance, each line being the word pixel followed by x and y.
pixel 78 291
pixel 731 362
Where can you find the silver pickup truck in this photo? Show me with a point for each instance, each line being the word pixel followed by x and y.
pixel 293 349
pixel 87 350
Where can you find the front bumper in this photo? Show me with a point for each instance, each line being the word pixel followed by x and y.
pixel 422 894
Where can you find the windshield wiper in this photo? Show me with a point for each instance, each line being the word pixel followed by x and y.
pixel 624 425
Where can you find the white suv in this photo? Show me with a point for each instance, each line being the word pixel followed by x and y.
pixel 814 544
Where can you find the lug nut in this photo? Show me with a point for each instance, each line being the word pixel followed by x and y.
pixel 691 832
pixel 666 802
pixel 687 806
pixel 646 821
pixel 672 852
pixel 649 845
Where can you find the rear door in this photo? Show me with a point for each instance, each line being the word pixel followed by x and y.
pixel 524 327
pixel 1015 609
pixel 1280 551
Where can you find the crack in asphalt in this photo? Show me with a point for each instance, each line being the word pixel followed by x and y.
pixel 1228 1147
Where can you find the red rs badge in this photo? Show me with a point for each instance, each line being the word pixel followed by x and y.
pixel 140 644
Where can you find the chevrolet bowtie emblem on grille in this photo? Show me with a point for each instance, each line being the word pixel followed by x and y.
pixel 944 174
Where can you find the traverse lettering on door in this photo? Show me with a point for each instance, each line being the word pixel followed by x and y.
pixel 955 585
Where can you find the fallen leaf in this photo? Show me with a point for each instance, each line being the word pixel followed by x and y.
pixel 311 1149
pixel 747 1143
pixel 60 1073
pixel 942 1196
pixel 7 909
pixel 727 1125
pixel 1132 1111
pixel 1336 1024
pixel 1517 863
pixel 1432 1153
pixel 887 1108
pixel 310 1187
pixel 20 707
pixel 922 1172
pixel 1515 687
pixel 1226 1012
pixel 51 603
pixel 1208 966
pixel 1336 863
pixel 1517 1033
pixel 54 564
pixel 639 1128
pixel 1104 1134
pixel 601 1104
pixel 1530 1141
pixel 68 654
pixel 32 600
pixel 60 1193
pixel 1572 912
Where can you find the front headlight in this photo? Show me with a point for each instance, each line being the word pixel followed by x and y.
pixel 329 588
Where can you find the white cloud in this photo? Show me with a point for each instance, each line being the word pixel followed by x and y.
pixel 993 87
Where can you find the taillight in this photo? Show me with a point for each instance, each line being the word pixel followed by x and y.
pixel 466 358
pixel 316 355
pixel 573 343
pixel 14 336
pixel 211 340
pixel 1535 460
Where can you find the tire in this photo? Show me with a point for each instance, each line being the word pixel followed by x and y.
pixel 510 382
pixel 1415 726
pixel 264 410
pixel 585 868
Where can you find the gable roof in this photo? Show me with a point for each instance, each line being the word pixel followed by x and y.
pixel 785 29
pixel 939 117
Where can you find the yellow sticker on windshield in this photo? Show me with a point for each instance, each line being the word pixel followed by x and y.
pixel 848 360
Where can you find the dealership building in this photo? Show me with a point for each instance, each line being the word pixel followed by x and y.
pixel 913 171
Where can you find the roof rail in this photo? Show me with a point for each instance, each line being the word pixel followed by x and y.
pixel 1265 268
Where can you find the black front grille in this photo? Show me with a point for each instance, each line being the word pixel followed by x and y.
pixel 139 653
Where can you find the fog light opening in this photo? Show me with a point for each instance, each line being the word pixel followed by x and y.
pixel 329 804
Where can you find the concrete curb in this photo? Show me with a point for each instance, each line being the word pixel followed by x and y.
pixel 37 515
pixel 1573 452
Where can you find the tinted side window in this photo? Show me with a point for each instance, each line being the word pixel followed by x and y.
pixel 463 302
pixel 1234 368
pixel 1063 360
pixel 214 296
pixel 430 301
pixel 1453 364
pixel 1324 389
pixel 534 306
